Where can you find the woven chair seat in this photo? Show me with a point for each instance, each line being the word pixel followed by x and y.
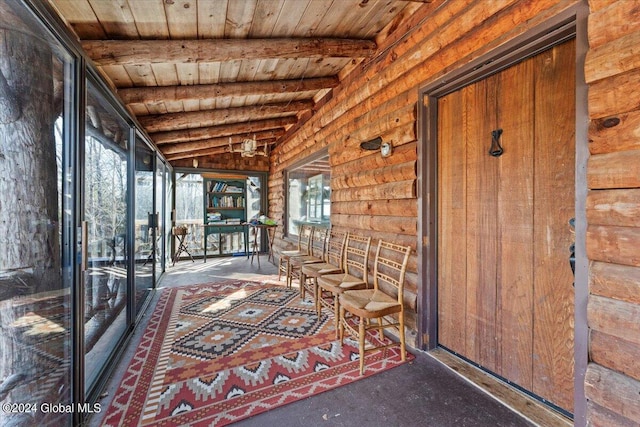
pixel 369 303
pixel 320 269
pixel 341 282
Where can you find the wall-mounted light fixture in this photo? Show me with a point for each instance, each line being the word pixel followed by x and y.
pixel 386 148
pixel 373 144
pixel 195 162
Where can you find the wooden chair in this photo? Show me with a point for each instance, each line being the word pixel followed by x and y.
pixel 304 242
pixel 317 254
pixel 354 276
pixel 334 263
pixel 379 303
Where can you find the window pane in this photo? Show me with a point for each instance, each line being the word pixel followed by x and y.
pixel 309 194
pixel 168 185
pixel 189 210
pixel 143 233
pixel 105 213
pixel 36 208
pixel 159 210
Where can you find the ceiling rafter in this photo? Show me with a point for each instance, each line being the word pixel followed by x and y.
pixel 209 151
pixel 148 95
pixel 175 121
pixel 135 52
pixel 223 141
pixel 187 135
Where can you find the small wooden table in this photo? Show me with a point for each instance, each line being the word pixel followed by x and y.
pixel 255 245
pixel 180 234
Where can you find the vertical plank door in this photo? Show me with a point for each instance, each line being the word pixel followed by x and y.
pixel 505 294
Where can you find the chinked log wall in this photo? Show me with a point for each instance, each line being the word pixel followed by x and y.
pixel 375 196
pixel 612 70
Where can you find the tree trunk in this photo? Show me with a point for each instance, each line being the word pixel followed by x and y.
pixel 29 229
pixel 30 263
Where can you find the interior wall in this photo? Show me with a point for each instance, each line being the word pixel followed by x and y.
pixel 612 72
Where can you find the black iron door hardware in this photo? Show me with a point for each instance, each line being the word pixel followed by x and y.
pixel 496 149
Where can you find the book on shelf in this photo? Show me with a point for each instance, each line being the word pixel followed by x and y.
pixel 223 187
pixel 226 202
pixel 233 189
pixel 214 216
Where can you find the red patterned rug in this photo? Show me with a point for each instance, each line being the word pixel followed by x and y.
pixel 217 353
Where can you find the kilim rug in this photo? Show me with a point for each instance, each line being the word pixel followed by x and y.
pixel 217 353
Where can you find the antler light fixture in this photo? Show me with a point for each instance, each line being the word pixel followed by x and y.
pixel 249 148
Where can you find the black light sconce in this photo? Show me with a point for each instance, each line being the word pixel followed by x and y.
pixel 386 148
pixel 373 144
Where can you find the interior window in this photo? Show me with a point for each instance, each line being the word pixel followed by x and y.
pixel 309 193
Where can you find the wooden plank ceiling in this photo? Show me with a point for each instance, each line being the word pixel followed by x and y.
pixel 199 74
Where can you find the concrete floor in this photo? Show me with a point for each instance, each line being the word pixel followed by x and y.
pixel 421 393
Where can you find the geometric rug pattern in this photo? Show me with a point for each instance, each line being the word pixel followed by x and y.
pixel 217 353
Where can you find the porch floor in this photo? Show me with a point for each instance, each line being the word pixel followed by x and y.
pixel 424 392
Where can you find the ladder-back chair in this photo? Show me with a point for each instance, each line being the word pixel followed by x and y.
pixel 334 263
pixel 354 276
pixel 381 303
pixel 317 254
pixel 304 241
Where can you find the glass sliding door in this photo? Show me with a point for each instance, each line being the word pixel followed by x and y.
pixel 105 269
pixel 159 210
pixel 36 231
pixel 144 234
pixel 168 209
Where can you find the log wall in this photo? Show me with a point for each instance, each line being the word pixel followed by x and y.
pixel 612 71
pixel 377 197
pixel 372 195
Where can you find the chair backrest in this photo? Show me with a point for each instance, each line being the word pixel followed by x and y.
pixel 305 231
pixel 356 256
pixel 390 267
pixel 335 248
pixel 318 245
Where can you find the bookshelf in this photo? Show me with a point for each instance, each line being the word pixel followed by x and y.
pixel 225 215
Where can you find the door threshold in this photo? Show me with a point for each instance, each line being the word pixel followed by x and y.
pixel 533 410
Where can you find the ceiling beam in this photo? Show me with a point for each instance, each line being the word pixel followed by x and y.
pixel 202 118
pixel 148 95
pixel 135 52
pixel 207 152
pixel 186 135
pixel 187 147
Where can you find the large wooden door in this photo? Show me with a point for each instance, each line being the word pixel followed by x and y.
pixel 505 285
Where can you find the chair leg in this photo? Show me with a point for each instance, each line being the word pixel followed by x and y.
pixel 402 338
pixel 336 312
pixel 341 323
pixel 279 269
pixel 317 295
pixel 361 332
pixel 316 289
pixel 289 280
pixel 303 278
